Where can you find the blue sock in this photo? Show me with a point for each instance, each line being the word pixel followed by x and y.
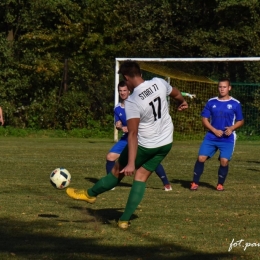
pixel 198 170
pixel 222 174
pixel 161 174
pixel 109 166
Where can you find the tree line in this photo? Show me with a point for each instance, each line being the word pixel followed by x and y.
pixel 57 57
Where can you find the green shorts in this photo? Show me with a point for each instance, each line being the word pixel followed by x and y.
pixel 148 158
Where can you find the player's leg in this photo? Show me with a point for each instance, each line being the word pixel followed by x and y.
pixel 135 197
pixel 110 161
pixel 146 162
pixel 114 154
pixel 160 172
pixel 104 184
pixel 226 152
pixel 206 151
pixel 108 182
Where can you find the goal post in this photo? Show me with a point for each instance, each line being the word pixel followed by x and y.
pixel 189 82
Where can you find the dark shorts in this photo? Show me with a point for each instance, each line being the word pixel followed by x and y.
pixel 148 158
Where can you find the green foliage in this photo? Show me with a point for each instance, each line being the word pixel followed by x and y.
pixel 38 91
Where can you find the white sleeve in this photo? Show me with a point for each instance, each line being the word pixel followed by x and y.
pixel 167 85
pixel 131 110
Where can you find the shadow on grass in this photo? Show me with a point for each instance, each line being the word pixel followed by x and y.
pixel 186 184
pixel 24 240
pixel 253 170
pixel 253 161
pixel 105 216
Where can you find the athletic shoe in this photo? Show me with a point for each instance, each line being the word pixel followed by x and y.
pixel 123 224
pixel 167 187
pixel 194 186
pixel 220 187
pixel 80 195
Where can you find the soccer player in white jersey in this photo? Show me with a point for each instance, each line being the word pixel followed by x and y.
pixel 221 115
pixel 121 124
pixel 150 136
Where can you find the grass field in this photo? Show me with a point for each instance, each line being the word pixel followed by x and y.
pixel 40 222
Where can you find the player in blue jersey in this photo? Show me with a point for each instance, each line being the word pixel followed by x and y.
pixel 221 115
pixel 121 125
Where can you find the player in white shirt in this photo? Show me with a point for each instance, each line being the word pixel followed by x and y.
pixel 150 136
pixel 121 124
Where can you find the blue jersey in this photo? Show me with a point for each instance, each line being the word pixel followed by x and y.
pixel 119 115
pixel 222 114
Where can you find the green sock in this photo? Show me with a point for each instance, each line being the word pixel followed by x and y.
pixel 104 184
pixel 135 197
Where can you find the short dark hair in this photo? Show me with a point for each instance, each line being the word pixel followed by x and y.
pixel 121 84
pixel 224 79
pixel 130 68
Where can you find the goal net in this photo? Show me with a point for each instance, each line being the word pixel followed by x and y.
pixel 199 76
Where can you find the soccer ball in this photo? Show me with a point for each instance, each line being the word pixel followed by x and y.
pixel 60 178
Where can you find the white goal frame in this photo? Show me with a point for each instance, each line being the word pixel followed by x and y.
pixel 222 59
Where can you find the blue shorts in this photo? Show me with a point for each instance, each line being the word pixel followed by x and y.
pixel 209 148
pixel 118 147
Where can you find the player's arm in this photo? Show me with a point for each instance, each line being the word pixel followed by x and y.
pixel 237 124
pixel 207 124
pixel 1 116
pixel 118 125
pixel 239 121
pixel 177 96
pixel 232 128
pixel 118 122
pixel 132 125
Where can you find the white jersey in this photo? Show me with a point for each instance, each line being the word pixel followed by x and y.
pixel 149 103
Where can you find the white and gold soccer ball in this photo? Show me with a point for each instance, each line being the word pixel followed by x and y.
pixel 60 178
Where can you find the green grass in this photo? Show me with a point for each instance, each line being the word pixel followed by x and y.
pixel 9 131
pixel 102 132
pixel 40 222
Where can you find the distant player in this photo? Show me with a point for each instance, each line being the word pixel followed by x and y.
pixel 1 117
pixel 150 136
pixel 121 125
pixel 222 115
